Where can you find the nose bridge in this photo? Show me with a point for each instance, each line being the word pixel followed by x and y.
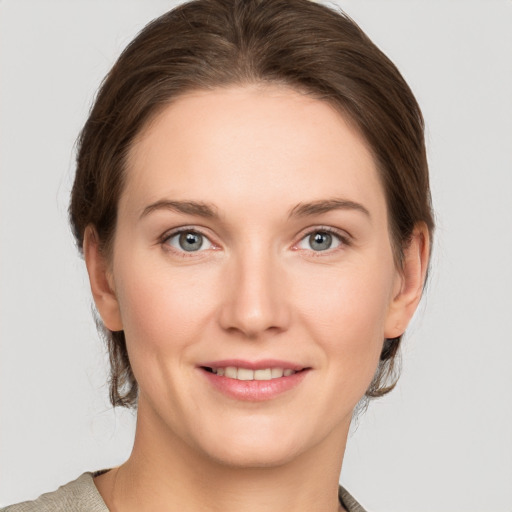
pixel 255 301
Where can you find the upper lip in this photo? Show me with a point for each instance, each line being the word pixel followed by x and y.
pixel 254 365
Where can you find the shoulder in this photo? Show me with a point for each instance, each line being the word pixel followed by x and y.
pixel 350 504
pixel 80 495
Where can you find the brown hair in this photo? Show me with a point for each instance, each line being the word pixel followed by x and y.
pixel 205 44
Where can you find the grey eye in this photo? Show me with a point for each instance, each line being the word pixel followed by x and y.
pixel 320 241
pixel 189 241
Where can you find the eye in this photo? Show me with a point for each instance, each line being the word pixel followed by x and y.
pixel 188 241
pixel 320 240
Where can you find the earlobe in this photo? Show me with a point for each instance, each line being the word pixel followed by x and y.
pixel 101 281
pixel 411 283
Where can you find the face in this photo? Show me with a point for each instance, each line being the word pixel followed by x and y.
pixel 253 273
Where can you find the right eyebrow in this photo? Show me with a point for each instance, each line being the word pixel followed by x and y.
pixel 188 207
pixel 327 205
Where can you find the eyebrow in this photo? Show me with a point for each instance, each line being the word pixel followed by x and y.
pixel 206 210
pixel 188 207
pixel 324 206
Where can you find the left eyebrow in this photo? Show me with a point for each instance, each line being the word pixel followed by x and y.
pixel 198 208
pixel 326 205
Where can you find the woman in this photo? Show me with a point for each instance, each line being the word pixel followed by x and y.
pixel 253 207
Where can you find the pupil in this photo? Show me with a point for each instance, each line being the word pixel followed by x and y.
pixel 320 241
pixel 191 241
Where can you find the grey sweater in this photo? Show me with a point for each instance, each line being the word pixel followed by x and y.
pixel 81 495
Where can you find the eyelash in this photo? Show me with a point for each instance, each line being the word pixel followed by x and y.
pixel 343 238
pixel 164 241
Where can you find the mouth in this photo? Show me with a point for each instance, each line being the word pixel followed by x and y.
pixel 245 374
pixel 254 381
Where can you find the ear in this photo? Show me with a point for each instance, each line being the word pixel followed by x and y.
pixel 101 281
pixel 410 282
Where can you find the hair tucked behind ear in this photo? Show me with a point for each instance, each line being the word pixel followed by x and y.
pixel 388 370
pixel 206 44
pixel 123 386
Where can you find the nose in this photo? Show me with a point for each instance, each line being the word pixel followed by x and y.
pixel 255 302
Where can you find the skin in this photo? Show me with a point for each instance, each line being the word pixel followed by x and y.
pixel 257 289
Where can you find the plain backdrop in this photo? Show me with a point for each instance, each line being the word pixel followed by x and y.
pixel 442 441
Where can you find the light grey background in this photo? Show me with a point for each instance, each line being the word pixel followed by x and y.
pixel 442 441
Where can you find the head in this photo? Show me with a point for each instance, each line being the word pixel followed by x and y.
pixel 288 47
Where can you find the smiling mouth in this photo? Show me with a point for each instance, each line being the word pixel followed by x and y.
pixel 239 373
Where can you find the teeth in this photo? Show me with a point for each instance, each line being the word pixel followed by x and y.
pixel 265 374
pixel 245 374
pixel 275 373
pixel 232 372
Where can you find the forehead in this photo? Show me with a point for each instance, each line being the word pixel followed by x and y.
pixel 259 144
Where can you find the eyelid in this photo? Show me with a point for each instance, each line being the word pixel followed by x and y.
pixel 165 237
pixel 343 236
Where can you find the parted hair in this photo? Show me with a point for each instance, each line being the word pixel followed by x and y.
pixel 208 44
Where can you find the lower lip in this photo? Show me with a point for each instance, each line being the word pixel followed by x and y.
pixel 254 390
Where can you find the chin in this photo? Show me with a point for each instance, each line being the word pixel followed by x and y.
pixel 250 457
pixel 258 448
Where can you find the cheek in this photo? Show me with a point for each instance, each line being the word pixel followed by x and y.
pixel 164 315
pixel 161 309
pixel 350 298
pixel 345 310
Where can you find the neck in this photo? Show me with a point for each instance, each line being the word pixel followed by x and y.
pixel 164 473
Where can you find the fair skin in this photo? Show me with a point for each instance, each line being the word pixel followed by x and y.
pixel 285 263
